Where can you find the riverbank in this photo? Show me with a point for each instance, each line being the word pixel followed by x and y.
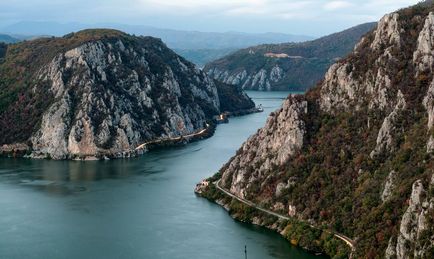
pixel 23 150
pixel 135 208
pixel 316 240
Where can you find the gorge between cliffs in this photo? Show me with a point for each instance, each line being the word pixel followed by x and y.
pixel 149 201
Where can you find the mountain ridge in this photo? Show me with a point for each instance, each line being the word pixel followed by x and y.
pixel 287 66
pixel 8 39
pixel 175 39
pixel 196 46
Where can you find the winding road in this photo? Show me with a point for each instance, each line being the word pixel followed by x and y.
pixel 342 237
pixel 142 146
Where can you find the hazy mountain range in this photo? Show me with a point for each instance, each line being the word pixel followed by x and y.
pixel 175 39
pixel 198 47
pixel 8 38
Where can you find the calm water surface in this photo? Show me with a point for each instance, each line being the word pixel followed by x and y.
pixel 137 208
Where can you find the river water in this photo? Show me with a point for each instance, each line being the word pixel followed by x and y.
pixel 137 208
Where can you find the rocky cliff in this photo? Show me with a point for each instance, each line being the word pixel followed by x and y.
pixel 290 66
pixel 233 99
pixel 101 93
pixel 354 155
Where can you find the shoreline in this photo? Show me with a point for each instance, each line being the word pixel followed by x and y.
pixel 23 150
pixel 247 212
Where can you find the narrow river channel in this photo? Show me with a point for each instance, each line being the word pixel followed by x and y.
pixel 136 208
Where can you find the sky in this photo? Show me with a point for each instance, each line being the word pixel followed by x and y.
pixel 307 17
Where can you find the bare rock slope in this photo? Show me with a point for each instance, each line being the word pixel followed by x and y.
pixel 101 93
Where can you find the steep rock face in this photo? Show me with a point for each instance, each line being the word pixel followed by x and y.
pixel 110 94
pixel 108 121
pixel 285 66
pixel 423 59
pixel 271 147
pixel 415 236
pixel 262 80
pixel 423 56
pixel 344 88
pixel 429 105
pixel 385 139
pixel 362 168
pixel 388 186
pixel 388 32
pixel 233 99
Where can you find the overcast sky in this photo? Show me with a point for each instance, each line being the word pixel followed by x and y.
pixel 309 17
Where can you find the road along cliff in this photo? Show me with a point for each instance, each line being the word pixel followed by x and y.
pixel 354 155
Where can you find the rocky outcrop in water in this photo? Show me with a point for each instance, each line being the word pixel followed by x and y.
pixel 108 92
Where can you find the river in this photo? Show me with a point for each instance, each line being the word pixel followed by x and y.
pixel 136 208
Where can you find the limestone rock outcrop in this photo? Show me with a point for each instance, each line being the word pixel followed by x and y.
pixel 108 92
pixel 287 66
pixel 272 146
pixel 415 231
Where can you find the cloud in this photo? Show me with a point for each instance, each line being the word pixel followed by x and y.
pixel 229 7
pixel 272 8
pixel 301 16
pixel 335 5
pixel 267 9
pixel 196 6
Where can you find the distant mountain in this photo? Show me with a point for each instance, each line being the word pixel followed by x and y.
pixel 288 66
pixel 175 39
pixel 8 39
pixel 203 56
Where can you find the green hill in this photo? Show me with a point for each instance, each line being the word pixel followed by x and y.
pixel 299 67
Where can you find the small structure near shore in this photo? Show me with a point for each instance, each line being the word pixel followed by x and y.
pixel 201 186
pixel 222 118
